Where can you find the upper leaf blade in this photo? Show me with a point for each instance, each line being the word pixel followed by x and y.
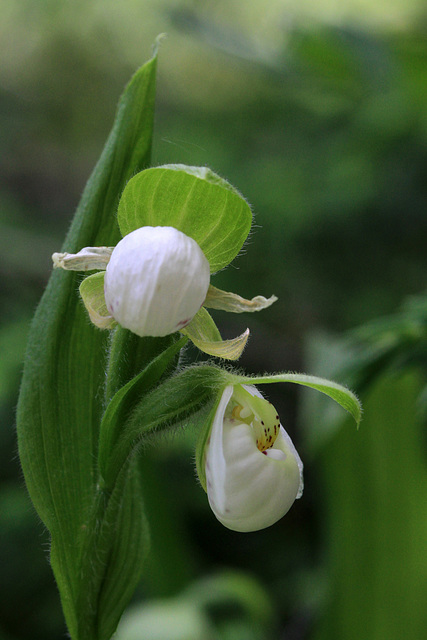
pixel 60 406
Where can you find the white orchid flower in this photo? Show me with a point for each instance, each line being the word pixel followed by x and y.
pixel 156 281
pixel 253 471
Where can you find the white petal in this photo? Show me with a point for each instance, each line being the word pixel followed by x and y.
pixel 88 259
pixel 247 489
pixel 215 461
pixel 232 302
pixel 156 281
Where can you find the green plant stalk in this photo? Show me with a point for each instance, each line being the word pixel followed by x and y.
pixel 110 562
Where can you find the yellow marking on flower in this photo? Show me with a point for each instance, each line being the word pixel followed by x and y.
pixel 265 427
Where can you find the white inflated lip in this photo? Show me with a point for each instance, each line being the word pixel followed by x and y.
pixel 156 281
pixel 248 489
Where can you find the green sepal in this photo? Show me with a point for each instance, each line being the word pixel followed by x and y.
pixel 60 405
pixel 194 200
pixel 233 303
pixel 204 333
pixel 87 259
pixel 92 292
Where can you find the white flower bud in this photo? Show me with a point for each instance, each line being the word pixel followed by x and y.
pixel 156 281
pixel 253 471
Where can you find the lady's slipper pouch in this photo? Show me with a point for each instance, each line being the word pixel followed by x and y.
pixel 156 281
pixel 253 471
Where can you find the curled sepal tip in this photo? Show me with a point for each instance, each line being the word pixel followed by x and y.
pixel 253 473
pixel 204 333
pixel 232 302
pixel 88 259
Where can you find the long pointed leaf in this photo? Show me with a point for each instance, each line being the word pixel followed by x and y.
pixel 60 406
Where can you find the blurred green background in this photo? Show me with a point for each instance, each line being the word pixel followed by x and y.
pixel 317 113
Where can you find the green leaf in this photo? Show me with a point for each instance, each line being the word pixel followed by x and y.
pixel 60 405
pixel 123 402
pixel 126 533
pixel 177 400
pixel 392 342
pixel 194 200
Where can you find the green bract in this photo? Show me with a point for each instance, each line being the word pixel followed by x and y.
pixel 195 201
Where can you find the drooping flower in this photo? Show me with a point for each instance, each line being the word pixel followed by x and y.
pixel 155 282
pixel 253 473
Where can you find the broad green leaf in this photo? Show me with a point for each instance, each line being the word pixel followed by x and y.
pixel 114 548
pixel 204 333
pixel 60 405
pixel 92 293
pixel 194 200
